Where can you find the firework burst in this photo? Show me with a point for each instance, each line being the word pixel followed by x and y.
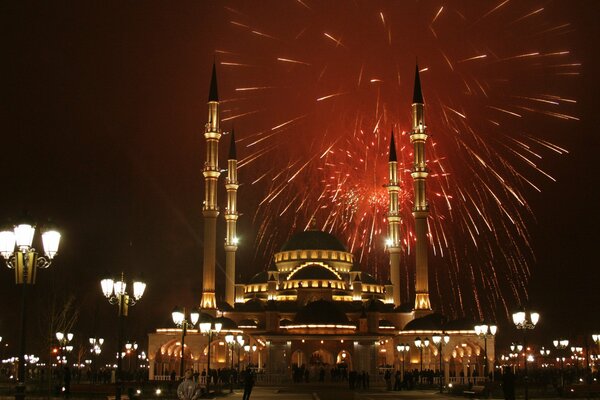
pixel 317 93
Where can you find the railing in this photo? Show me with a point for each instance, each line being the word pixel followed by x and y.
pixel 201 379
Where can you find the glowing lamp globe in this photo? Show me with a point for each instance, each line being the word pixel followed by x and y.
pixel 51 241
pixel 107 286
pixel 138 289
pixel 7 243
pixel 194 317
pixel 24 236
pixel 177 316
pixel 119 287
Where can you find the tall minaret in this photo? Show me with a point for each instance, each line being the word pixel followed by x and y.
pixel 231 216
pixel 393 240
pixel 210 211
pixel 418 137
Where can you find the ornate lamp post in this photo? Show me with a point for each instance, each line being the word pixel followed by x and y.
pixel 421 344
pixel 525 321
pixel 230 340
pixel 16 248
pixel 63 341
pixel 439 341
pixel 130 349
pixel 96 349
pixel 209 328
pixel 485 331
pixel 180 319
pixel 116 293
pixel 402 348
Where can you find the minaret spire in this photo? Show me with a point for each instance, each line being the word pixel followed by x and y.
pixel 210 210
pixel 393 240
pixel 417 94
pixel 231 216
pixel 213 94
pixel 418 137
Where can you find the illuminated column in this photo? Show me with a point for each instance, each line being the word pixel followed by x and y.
pixel 418 137
pixel 393 240
pixel 210 210
pixel 231 216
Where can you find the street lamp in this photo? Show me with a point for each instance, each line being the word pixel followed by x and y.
pixel 96 349
pixel 63 341
pixel 18 253
pixel 525 321
pixel 180 319
pixel 402 348
pixel 421 344
pixel 440 340
pixel 485 331
pixel 230 340
pixel 116 293
pixel 209 328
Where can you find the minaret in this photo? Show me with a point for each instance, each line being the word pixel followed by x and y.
pixel 231 216
pixel 418 137
pixel 393 240
pixel 210 211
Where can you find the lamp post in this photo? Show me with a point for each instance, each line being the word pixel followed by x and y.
pixel 129 349
pixel 230 340
pixel 240 343
pixel 402 348
pixel 116 293
pixel 525 320
pixel 181 320
pixel 96 349
pixel 63 341
pixel 485 331
pixel 421 344
pixel 439 341
pixel 209 328
pixel 18 253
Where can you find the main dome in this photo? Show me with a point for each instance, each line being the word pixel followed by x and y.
pixel 313 240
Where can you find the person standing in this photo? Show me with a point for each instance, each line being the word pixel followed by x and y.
pixel 188 389
pixel 248 384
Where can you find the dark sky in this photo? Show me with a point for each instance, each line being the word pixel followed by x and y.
pixel 103 113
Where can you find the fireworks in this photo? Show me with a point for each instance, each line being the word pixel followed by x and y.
pixel 316 94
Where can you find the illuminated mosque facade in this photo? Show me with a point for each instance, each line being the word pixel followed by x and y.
pixel 313 305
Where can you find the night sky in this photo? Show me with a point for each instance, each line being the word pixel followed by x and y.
pixel 104 107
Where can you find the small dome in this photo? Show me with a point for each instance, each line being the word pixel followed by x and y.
pixel 367 278
pixel 430 322
pixel 226 323
pixel 321 312
pixel 248 324
pixel 314 271
pixel 313 240
pixel 285 322
pixel 385 324
pixel 261 277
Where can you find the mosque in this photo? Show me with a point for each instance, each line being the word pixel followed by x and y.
pixel 313 306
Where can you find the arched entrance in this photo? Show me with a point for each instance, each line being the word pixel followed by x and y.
pixel 321 357
pixel 298 358
pixel 344 360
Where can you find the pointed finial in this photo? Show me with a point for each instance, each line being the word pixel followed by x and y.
pixel 417 94
pixel 393 156
pixel 232 152
pixel 213 95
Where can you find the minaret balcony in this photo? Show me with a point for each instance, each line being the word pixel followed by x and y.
pixel 418 137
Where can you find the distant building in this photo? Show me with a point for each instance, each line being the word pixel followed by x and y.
pixel 313 306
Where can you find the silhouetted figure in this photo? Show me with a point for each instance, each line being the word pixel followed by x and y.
pixel 248 384
pixel 508 384
pixel 67 381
